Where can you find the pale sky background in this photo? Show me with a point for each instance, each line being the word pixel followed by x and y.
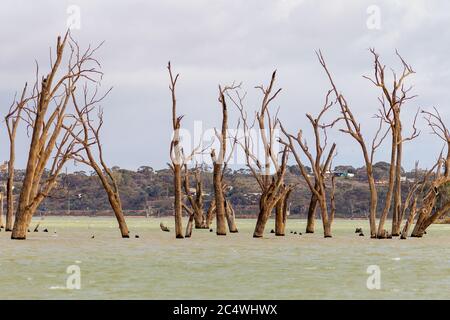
pixel 211 42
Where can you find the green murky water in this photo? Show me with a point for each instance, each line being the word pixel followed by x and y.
pixel 158 266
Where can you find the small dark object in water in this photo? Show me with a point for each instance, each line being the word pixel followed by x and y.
pixel 211 230
pixel 28 230
pixel 136 236
pixel 45 230
pixel 92 237
pixel 300 233
pixel 272 231
pixel 358 230
pixel 361 234
pixel 295 232
pixel 163 227
pixel 292 231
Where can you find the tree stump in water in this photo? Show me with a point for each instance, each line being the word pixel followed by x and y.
pixel 163 227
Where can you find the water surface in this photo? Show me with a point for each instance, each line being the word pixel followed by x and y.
pixel 158 266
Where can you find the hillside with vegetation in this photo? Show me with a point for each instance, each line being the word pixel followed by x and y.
pixel 150 192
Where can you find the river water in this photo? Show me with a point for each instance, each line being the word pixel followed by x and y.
pixel 158 266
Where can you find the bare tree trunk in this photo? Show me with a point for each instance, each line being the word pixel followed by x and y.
pixel 229 211
pixel 325 221
pixel 9 191
pixel 264 213
pixel 396 221
pixel 189 227
pixel 373 201
pixel 220 200
pixel 178 201
pixel 311 213
pixel 279 218
pixel 1 211
pixel 210 214
pixel 387 206
pixel 281 210
pixel 410 220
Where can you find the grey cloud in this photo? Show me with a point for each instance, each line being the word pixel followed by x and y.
pixel 212 42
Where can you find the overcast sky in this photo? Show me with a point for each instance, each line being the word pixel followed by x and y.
pixel 213 41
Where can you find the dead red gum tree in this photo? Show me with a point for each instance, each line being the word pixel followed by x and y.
pixel 90 151
pixel 195 210
pixel 353 128
pixel 177 156
pixel 18 109
pixel 273 188
pixel 429 212
pixel 47 118
pixel 223 209
pixel 392 100
pixel 320 163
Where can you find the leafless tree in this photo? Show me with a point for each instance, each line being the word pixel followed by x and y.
pixel 12 120
pixel 271 184
pixel 87 137
pixel 223 208
pixel 320 162
pixel 428 212
pixel 177 156
pixel 195 200
pixel 47 115
pixel 353 128
pixel 393 99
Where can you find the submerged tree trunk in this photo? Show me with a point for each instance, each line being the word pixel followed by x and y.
pixel 387 206
pixel 1 211
pixel 265 210
pixel 410 220
pixel 178 201
pixel 396 221
pixel 281 210
pixel 189 227
pixel 220 200
pixel 229 211
pixel 114 200
pixel 9 193
pixel 311 214
pixel 210 214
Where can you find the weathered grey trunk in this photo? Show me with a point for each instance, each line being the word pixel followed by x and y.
pixel 230 217
pixel 220 200
pixel 311 214
pixel 410 220
pixel 178 213
pixel 189 226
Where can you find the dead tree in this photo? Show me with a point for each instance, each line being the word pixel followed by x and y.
pixel 12 120
pixel 281 212
pixel 87 136
pixel 177 157
pixel 353 128
pixel 320 162
pixel 392 101
pixel 196 200
pixel 441 179
pixel 1 210
pixel 271 183
pixel 47 115
pixel 224 211
pixel 210 214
